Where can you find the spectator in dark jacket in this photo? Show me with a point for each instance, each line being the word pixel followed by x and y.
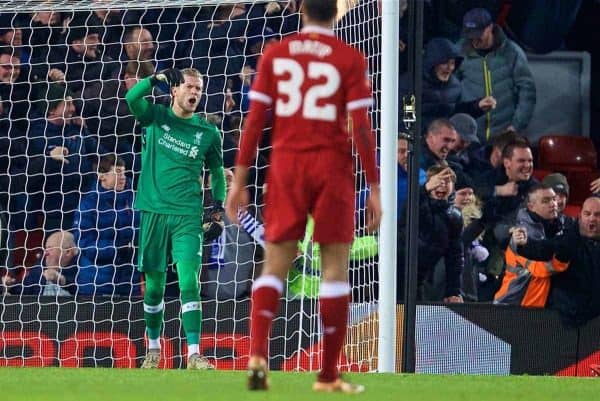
pixel 107 114
pixel 575 292
pixel 503 196
pixel 85 62
pixel 489 157
pixel 495 65
pixel 442 91
pixel 54 275
pixel 440 227
pixel 61 148
pixel 104 228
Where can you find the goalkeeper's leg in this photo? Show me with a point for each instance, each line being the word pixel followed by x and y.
pixel 191 313
pixel 334 299
pixel 153 315
pixel 265 300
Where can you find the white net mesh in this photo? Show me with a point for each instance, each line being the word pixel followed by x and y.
pixel 73 298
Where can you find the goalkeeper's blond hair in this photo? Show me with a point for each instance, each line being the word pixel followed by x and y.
pixel 191 72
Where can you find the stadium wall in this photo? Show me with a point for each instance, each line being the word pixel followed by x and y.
pixel 468 339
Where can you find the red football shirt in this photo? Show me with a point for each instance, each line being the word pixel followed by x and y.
pixel 311 80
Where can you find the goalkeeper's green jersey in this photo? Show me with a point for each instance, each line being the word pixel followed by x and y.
pixel 174 153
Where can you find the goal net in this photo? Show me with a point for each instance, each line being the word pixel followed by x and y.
pixel 69 165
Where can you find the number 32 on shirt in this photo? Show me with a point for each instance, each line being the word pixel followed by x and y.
pixel 291 88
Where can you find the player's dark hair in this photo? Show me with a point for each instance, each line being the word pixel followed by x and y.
pixel 320 10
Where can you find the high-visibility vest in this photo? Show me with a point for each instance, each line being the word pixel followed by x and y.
pixel 527 282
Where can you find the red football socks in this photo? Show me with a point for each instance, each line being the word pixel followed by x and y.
pixel 334 304
pixel 265 302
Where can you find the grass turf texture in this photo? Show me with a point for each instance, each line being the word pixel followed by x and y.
pixel 170 385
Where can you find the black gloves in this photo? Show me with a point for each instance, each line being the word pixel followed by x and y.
pixel 565 246
pixel 170 76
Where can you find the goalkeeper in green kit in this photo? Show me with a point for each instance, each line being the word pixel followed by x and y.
pixel 177 145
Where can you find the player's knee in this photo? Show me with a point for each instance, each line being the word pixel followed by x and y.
pixel 188 286
pixel 153 296
pixel 189 296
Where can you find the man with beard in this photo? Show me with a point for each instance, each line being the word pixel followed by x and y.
pixel 178 144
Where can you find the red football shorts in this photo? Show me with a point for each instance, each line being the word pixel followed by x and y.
pixel 317 183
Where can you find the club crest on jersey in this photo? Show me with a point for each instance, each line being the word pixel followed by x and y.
pixel 165 127
pixel 198 138
pixel 193 152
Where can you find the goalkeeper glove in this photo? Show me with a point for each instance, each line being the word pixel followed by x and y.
pixel 216 212
pixel 170 76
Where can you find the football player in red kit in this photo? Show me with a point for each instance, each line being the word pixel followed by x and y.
pixel 313 82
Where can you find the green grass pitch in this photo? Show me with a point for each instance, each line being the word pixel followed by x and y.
pixel 169 385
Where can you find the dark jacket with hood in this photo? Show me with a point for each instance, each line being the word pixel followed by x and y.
pixel 441 99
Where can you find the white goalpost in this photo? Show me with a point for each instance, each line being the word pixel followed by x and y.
pixel 70 293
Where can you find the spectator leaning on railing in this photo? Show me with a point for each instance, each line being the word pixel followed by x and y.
pixel 440 227
pixel 575 293
pixel 527 282
pixel 54 274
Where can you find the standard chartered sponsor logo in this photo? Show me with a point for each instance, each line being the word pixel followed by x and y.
pixel 178 146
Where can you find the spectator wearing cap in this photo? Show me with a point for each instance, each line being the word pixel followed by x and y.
pixel 84 61
pixel 61 154
pixel 559 183
pixel 467 142
pixel 494 65
pixel 442 91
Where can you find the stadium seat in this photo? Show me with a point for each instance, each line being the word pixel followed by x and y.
pixel 539 174
pixel 573 155
pixel 579 183
pixel 572 210
pixel 567 153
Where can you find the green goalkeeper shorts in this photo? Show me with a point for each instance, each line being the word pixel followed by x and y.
pixel 164 235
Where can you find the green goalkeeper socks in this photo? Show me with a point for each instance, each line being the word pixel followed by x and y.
pixel 153 303
pixel 191 308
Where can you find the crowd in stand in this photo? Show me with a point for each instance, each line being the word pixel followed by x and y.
pixel 69 154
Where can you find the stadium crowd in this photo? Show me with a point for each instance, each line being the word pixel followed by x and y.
pixel 494 228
